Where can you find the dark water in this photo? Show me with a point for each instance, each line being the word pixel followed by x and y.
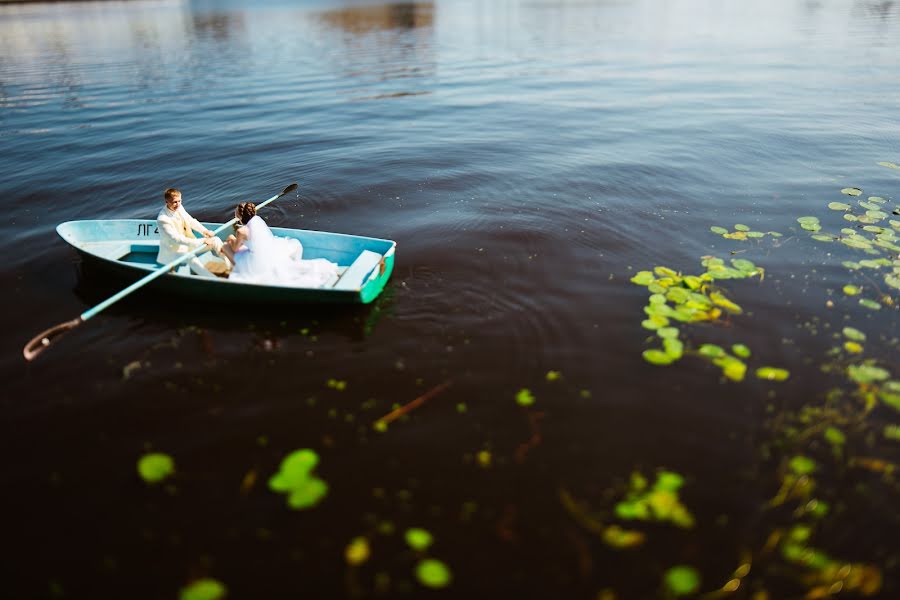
pixel 528 158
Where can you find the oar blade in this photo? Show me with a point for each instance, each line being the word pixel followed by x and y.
pixel 289 189
pixel 41 341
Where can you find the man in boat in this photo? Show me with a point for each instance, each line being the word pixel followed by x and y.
pixel 176 234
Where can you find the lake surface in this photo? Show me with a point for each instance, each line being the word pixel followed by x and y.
pixel 529 158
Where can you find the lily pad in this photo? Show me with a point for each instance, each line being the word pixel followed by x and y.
pixel 741 350
pixel 838 206
pixel 524 397
pixel 772 373
pixel 718 230
pixel 851 290
pixel 866 373
pixel 682 580
pixel 851 191
pixel 417 538
pixel 204 589
pixel 854 334
pixel 155 467
pixel 433 573
pixel 657 357
pixel 870 304
pixel 822 237
pixel 741 227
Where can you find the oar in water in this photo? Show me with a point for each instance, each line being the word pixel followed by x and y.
pixel 42 340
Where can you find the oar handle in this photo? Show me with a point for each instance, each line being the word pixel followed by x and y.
pixel 42 340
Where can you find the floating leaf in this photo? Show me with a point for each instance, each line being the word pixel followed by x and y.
pixel 772 373
pixel 673 348
pixel 357 551
pixel 741 227
pixel 889 165
pixel 295 479
pixel 737 235
pixel 742 264
pixel 802 465
pixel 524 397
pixel 852 290
pixel 643 278
pixel 433 573
pixel 307 494
pixel 835 436
pixel 865 373
pixel 870 304
pixel 657 357
pixel 417 538
pixel 203 589
pixel 667 332
pixel 854 334
pixel 682 580
pixel 741 350
pixel 851 191
pixel 838 206
pixel 732 368
pixel 711 351
pixel 822 237
pixel 155 467
pixel 853 347
pixel 718 230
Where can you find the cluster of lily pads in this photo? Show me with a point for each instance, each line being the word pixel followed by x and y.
pixel 296 480
pixel 429 571
pixel 694 298
pixel 742 232
pixel 875 232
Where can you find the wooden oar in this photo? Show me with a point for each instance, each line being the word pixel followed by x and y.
pixel 42 340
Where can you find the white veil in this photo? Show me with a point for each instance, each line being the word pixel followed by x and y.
pixel 277 260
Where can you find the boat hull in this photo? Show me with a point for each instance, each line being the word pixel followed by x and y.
pixel 126 250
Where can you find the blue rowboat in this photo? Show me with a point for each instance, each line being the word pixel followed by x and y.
pixel 128 248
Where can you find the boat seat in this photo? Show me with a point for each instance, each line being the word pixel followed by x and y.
pixel 356 273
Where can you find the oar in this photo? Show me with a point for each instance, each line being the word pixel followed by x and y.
pixel 42 340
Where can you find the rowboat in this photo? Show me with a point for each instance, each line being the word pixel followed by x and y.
pixel 127 248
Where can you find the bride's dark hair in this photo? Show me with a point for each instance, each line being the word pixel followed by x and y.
pixel 246 211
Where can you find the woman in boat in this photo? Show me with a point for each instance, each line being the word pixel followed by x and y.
pixel 259 256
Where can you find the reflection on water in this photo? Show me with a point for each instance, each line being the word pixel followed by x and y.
pixel 529 158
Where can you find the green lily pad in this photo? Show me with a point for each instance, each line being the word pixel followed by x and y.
pixel 850 217
pixel 851 290
pixel 889 165
pixel 838 206
pixel 433 573
pixel 155 467
pixel 643 278
pixel 741 350
pixel 417 538
pixel 822 237
pixel 682 580
pixel 711 351
pixel 802 465
pixel 667 332
pixel 743 264
pixel 854 334
pixel 307 494
pixel 803 220
pixel 870 304
pixel 853 347
pixel 772 373
pixel 657 357
pixel 851 191
pixel 524 397
pixel 673 347
pixel 755 234
pixel 204 589
pixel 718 230
pixel 866 373
pixel 741 227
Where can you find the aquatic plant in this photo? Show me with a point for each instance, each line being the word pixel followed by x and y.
pixel 204 589
pixel 295 479
pixel 155 467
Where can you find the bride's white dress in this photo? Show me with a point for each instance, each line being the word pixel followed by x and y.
pixel 265 258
